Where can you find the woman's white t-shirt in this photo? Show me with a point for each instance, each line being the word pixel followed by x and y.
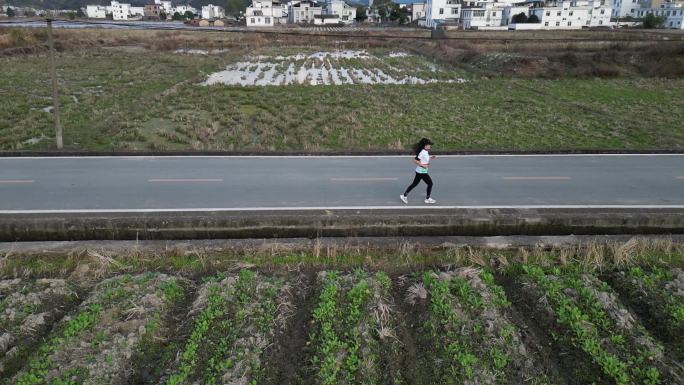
pixel 424 158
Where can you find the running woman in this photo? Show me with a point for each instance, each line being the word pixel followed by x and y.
pixel 422 159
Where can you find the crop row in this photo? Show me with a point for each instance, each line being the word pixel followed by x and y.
pixel 658 296
pixel 466 319
pixel 527 324
pixel 583 314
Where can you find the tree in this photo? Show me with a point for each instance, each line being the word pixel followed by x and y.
pixel 361 14
pixel 520 18
pixel 235 7
pixel 533 19
pixel 177 16
pixel 188 15
pixel 80 13
pixel 10 12
pixel 398 14
pixel 71 15
pixel 384 8
pixel 652 21
pixel 162 15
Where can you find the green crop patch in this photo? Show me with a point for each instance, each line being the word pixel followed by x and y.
pixel 235 319
pixel 96 343
pixel 352 329
pixel 522 324
pixel 28 308
pixel 658 296
pixel 585 317
pixel 463 315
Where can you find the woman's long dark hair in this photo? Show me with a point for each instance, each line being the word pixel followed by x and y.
pixel 420 146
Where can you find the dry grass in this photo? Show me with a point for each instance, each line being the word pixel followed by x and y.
pixel 527 54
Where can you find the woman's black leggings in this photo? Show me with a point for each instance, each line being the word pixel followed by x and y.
pixel 417 180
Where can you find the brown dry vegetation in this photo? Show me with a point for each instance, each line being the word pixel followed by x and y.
pixel 549 54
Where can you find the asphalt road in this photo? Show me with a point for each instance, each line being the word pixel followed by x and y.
pixel 279 183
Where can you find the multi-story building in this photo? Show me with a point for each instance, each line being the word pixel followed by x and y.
pixel 182 9
pixel 482 15
pixel 120 11
pixel 624 8
pixel 166 6
pixel 213 12
pixel 442 12
pixel 96 11
pixel 152 11
pixel 345 12
pixel 573 14
pixel 672 12
pixel 265 13
pixel 417 10
pixel 302 11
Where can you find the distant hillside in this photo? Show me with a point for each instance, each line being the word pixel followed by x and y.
pixel 75 4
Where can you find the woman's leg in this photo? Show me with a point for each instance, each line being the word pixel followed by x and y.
pixel 416 180
pixel 428 180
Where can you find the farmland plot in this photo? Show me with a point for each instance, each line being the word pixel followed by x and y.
pixel 598 336
pixel 28 308
pixel 526 325
pixel 353 329
pixel 658 296
pixel 96 345
pixel 333 68
pixel 465 333
pixel 235 319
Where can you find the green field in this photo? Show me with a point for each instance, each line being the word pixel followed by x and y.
pixel 444 325
pixel 130 99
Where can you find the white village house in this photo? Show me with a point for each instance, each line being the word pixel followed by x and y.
pixel 265 13
pixel 438 12
pixel 120 11
pixel 573 14
pixel 97 11
pixel 302 11
pixel 166 6
pixel 624 8
pixel 672 12
pixel 345 13
pixel 211 12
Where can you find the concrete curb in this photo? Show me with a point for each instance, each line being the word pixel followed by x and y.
pixel 94 154
pixel 338 223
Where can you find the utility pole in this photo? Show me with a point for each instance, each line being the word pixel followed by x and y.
pixel 55 95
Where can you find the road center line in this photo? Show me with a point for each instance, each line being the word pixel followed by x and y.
pixel 185 180
pixel 16 181
pixel 369 179
pixel 536 178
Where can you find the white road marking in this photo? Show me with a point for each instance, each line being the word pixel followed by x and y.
pixel 368 179
pixel 536 178
pixel 184 180
pixel 16 181
pixel 335 156
pixel 323 208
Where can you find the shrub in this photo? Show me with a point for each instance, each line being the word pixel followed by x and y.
pixel 520 18
pixel 652 21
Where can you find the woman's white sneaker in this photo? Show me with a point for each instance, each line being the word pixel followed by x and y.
pixel 403 198
pixel 430 201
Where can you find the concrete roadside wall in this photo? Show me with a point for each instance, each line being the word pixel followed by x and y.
pixel 338 223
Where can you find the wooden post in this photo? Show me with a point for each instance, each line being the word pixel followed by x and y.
pixel 55 95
